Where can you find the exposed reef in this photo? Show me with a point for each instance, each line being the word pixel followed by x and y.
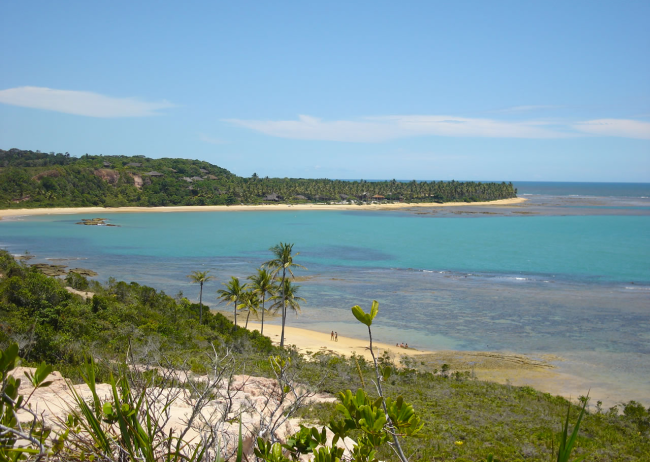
pixel 95 222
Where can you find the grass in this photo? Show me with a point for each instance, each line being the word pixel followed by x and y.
pixel 512 423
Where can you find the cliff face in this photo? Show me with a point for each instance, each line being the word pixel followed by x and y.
pixel 108 175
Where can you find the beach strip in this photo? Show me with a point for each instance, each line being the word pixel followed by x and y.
pixel 313 341
pixel 500 367
pixel 245 208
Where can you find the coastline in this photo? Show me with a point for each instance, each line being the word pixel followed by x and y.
pixel 242 208
pixel 542 372
pixel 306 340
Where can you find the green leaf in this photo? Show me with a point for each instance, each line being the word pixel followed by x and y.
pixel 240 444
pixel 8 358
pixel 361 316
pixel 374 310
pixel 42 371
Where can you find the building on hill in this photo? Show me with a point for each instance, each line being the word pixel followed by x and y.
pixel 154 173
pixel 134 164
pixel 202 170
pixel 107 164
pixel 300 197
pixel 273 197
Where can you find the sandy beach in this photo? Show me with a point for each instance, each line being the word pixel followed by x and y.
pixel 539 372
pixel 313 341
pixel 241 208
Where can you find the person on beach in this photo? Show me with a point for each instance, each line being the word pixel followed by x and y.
pixel 332 336
pixel 406 346
pixel 336 336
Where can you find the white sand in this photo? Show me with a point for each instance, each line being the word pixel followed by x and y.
pixel 239 208
pixel 309 340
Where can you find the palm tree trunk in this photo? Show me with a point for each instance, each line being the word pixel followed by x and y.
pixel 284 308
pixel 262 330
pixel 247 316
pixel 201 305
pixel 236 300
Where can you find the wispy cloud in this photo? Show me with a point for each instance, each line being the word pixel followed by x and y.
pixel 529 108
pixel 377 129
pixel 80 102
pixel 625 128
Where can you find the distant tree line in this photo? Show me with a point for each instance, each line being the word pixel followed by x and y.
pixel 34 179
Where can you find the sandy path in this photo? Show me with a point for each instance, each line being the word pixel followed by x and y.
pixel 239 208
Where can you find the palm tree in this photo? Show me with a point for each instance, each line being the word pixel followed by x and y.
pixel 282 262
pixel 200 277
pixel 290 298
pixel 249 302
pixel 262 284
pixel 232 293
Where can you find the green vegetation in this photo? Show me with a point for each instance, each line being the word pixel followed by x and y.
pixel 232 294
pixel 262 286
pixel 200 277
pixel 281 264
pixel 51 324
pixel 456 417
pixel 33 179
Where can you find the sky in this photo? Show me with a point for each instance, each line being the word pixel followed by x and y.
pixel 430 90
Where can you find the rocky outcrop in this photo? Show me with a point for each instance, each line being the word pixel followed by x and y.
pixel 60 270
pixel 108 175
pixel 83 272
pixel 247 398
pixel 50 270
pixel 94 222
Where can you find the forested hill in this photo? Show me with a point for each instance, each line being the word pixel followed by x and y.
pixel 30 179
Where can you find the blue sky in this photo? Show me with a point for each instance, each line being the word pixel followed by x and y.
pixel 499 90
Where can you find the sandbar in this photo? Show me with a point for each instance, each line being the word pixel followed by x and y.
pixel 241 208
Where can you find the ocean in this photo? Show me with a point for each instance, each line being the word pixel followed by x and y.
pixel 565 274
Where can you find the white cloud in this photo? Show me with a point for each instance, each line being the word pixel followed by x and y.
pixel 312 128
pixel 80 102
pixel 374 129
pixel 625 128
pixel 382 128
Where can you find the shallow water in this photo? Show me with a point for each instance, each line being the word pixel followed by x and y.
pixel 567 283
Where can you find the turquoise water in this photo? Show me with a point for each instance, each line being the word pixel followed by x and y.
pixel 583 189
pixel 604 248
pixel 576 286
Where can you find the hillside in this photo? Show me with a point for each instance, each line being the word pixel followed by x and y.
pixel 32 179
pixel 464 418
